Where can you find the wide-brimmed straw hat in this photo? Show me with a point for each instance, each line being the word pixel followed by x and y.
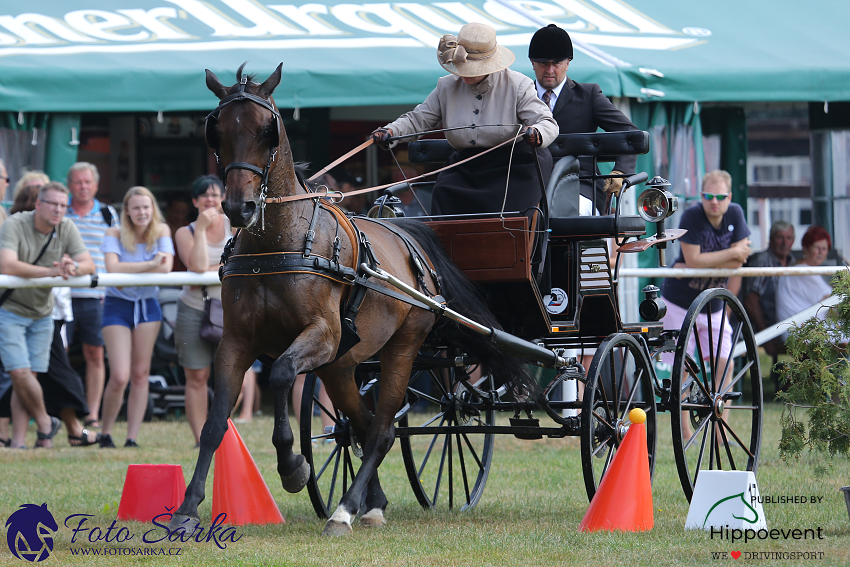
pixel 473 52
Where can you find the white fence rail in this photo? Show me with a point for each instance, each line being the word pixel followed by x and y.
pixel 211 279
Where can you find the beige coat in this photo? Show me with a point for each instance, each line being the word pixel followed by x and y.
pixel 506 97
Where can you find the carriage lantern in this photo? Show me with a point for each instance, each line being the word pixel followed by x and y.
pixel 652 308
pixel 386 207
pixel 656 204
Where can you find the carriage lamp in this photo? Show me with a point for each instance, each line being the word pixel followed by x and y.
pixel 386 207
pixel 655 203
pixel 652 308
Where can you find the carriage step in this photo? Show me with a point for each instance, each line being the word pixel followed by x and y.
pixel 732 396
pixel 526 428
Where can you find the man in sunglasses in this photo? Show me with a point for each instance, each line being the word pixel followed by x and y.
pixel 717 237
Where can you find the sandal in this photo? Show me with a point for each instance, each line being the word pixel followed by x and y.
pixel 93 423
pixel 54 429
pixel 83 440
pixel 6 442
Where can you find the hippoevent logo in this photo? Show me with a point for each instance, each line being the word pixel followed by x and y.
pixel 29 532
pixel 751 515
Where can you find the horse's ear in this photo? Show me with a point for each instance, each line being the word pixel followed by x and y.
pixel 268 87
pixel 215 85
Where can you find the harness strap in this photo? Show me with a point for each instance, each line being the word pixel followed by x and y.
pixel 285 263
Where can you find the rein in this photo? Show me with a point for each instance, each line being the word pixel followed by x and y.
pixel 333 194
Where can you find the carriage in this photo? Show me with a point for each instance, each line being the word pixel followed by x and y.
pixel 360 302
pixel 557 289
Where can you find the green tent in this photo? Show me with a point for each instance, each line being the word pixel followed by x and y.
pixel 149 55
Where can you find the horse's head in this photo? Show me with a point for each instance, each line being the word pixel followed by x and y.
pixel 245 131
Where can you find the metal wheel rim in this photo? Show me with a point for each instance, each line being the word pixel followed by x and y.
pixel 432 470
pixel 603 411
pixel 736 441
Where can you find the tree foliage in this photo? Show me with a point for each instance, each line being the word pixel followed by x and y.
pixel 818 382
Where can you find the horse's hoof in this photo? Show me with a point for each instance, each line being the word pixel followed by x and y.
pixel 183 522
pixel 296 481
pixel 334 528
pixel 373 518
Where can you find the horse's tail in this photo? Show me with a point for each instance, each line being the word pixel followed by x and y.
pixel 463 296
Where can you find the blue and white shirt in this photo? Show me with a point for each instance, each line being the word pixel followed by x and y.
pixel 92 228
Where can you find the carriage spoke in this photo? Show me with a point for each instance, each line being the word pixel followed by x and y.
pixel 738 439
pixel 430 447
pixel 601 420
pixel 321 471
pixel 440 469
pixel 701 456
pixel 603 443
pixel 621 390
pixel 739 375
pixel 695 433
pixel 462 466
pixel 608 458
pixel 718 380
pixel 727 447
pixel 329 503
pixel 711 363
pixel 614 389
pixel 634 390
pixel 735 336
pixel 472 451
pixel 424 396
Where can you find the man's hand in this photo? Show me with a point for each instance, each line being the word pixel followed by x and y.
pixel 66 267
pixel 382 136
pixel 614 184
pixel 741 250
pixel 532 137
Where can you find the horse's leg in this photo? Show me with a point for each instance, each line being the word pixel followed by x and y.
pixel 396 363
pixel 309 350
pixel 230 366
pixel 293 469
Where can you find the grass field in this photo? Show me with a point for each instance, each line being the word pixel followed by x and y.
pixel 528 515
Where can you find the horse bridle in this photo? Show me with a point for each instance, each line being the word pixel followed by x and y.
pixel 212 139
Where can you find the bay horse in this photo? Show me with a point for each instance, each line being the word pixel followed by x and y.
pixel 288 287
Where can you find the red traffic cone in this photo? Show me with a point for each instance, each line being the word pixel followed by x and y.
pixel 151 490
pixel 238 487
pixel 623 500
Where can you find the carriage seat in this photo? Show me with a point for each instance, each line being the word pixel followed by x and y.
pixel 562 189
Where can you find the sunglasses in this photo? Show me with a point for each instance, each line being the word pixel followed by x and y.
pixel 710 196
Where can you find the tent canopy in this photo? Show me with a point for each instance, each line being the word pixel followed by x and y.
pixel 150 55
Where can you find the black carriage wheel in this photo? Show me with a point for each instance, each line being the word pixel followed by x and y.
pixel 619 380
pixel 446 467
pixel 717 441
pixel 333 456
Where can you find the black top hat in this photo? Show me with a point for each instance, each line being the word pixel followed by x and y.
pixel 550 44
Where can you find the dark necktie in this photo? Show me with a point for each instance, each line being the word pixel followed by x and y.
pixel 547 97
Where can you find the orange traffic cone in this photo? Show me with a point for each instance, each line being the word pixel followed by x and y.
pixel 623 500
pixel 238 488
pixel 151 490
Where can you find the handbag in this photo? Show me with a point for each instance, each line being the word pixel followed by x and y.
pixel 47 242
pixel 212 325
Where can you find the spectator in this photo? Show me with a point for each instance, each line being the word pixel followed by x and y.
pixel 64 396
pixel 759 294
pixel 30 179
pixel 26 327
pixel 717 237
pixel 131 315
pixel 4 184
pixel 178 213
pixel 797 293
pixel 92 219
pixel 199 246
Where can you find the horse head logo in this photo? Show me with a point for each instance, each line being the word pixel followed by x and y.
pixel 750 514
pixel 30 532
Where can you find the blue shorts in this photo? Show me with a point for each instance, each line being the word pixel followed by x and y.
pixel 117 311
pixel 88 312
pixel 25 342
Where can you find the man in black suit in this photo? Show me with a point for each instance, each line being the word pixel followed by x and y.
pixel 577 107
